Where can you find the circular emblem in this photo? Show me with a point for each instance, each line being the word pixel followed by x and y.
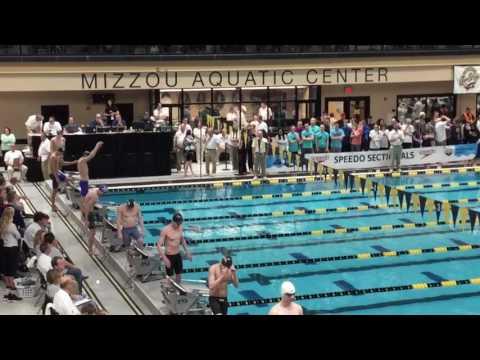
pixel 469 78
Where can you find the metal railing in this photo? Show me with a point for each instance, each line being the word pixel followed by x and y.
pixel 179 52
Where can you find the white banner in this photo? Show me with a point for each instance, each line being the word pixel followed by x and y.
pixel 381 158
pixel 467 80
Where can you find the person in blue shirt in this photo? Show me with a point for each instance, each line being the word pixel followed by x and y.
pixel 307 144
pixel 366 135
pixel 293 144
pixel 336 138
pixel 347 131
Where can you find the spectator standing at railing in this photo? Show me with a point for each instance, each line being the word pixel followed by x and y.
pixel 347 130
pixel 417 136
pixel 408 131
pixel 322 138
pixel 299 128
pixel 307 144
pixel 395 136
pixel 376 136
pixel 178 145
pixel 366 134
pixel 293 144
pixel 336 138
pixel 356 137
pixel 441 125
pixel 429 134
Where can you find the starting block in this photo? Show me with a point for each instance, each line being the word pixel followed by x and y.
pixel 188 298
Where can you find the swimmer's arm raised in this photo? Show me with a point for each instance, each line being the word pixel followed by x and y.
pixel 94 151
pixel 68 163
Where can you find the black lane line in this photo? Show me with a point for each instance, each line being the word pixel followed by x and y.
pixel 325 242
pixel 363 268
pixel 386 304
pixel 130 302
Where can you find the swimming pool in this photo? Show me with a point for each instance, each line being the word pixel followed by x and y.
pixel 346 252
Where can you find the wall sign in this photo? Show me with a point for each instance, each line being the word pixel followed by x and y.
pixel 467 80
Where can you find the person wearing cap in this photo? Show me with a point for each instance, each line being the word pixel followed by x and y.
pixel 171 237
pixel 219 275
pixel 56 163
pixel 129 220
pixel 287 306
pixel 87 207
pixel 82 167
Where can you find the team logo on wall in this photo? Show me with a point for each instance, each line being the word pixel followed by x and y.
pixel 467 79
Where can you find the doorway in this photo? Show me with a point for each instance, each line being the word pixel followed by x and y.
pixel 127 112
pixel 60 112
pixel 351 106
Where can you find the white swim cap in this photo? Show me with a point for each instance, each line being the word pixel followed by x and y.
pixel 288 288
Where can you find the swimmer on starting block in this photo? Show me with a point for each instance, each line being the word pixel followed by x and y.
pixel 172 237
pixel 88 216
pixel 219 275
pixel 56 163
pixel 82 167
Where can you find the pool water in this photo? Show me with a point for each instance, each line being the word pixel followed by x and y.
pixel 314 237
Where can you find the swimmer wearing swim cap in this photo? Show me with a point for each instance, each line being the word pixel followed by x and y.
pixel 172 238
pixel 287 306
pixel 219 275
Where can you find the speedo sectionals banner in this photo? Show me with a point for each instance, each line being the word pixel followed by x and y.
pixel 381 158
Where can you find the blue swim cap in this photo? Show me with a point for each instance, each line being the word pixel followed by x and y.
pixel 103 188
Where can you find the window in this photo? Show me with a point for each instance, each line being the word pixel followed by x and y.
pixel 410 106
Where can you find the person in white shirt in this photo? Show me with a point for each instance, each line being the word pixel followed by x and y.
pixel 254 123
pixel 260 150
pixel 262 126
pixel 62 301
pixel 264 112
pixel 14 162
pixel 441 126
pixel 396 139
pixel 408 131
pixel 200 136
pixel 376 136
pixel 44 261
pixel 213 141
pixel 178 145
pixel 43 154
pixel 40 223
pixel 52 127
pixel 232 118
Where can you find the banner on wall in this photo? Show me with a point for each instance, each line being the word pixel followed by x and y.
pixel 410 157
pixel 466 80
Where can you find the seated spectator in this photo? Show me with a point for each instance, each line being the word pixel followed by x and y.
pixel 91 309
pixel 14 162
pixel 98 122
pixel 44 261
pixel 63 299
pixel 40 223
pixel 54 277
pixel 52 127
pixel 8 139
pixel 72 127
pixel 67 268
pixel 117 121
pixel 15 201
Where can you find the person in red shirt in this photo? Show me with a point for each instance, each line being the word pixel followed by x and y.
pixel 468 116
pixel 356 137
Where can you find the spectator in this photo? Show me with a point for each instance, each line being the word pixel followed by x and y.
pixel 10 252
pixel 213 142
pixel 14 162
pixel 336 138
pixel 117 121
pixel 470 133
pixel 8 139
pixel 91 309
pixel 429 134
pixel 52 127
pixel 262 126
pixel 62 301
pixel 265 113
pixel 189 150
pixel 43 154
pixel 242 153
pixel 356 137
pixel 34 124
pixel 110 111
pixel 59 263
pixel 293 144
pixel 199 133
pixel 417 136
pixel 322 139
pixel 376 136
pixel 287 306
pixel 39 224
pixel 384 144
pixel 299 128
pixel 97 122
pixel 232 118
pixel 14 201
pixel 54 277
pixel 254 123
pixel 44 261
pixel 260 149
pixel 233 145
pixel 347 130
pixel 408 131
pixel 178 145
pixel 72 127
pixel 332 120
pixel 468 116
pixel 366 134
pixel 395 136
pixel 307 144
pixel 281 139
pixel 441 126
